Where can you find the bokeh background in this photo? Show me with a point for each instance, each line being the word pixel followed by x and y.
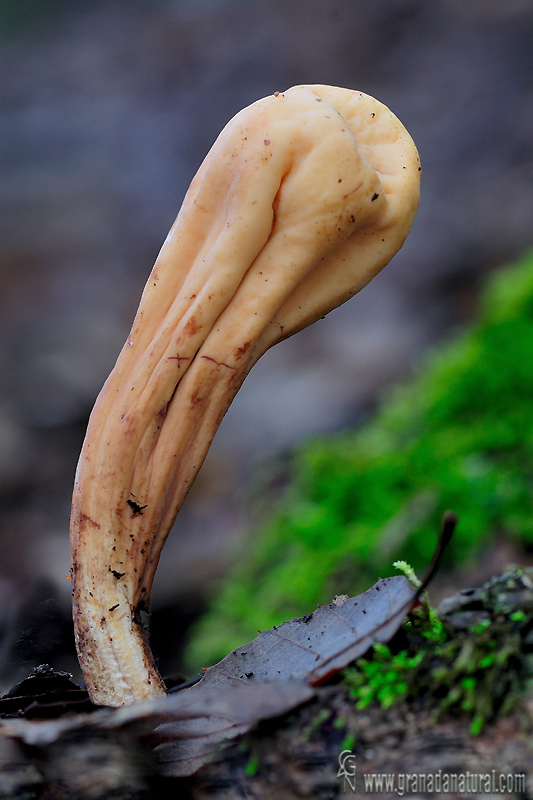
pixel 106 111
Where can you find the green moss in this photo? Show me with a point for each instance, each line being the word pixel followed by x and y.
pixel 316 723
pixel 348 742
pixel 459 435
pixel 252 765
pixel 474 659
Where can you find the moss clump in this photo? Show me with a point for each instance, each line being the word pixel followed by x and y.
pixel 474 657
pixel 459 435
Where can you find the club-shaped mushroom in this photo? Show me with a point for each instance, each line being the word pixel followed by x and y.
pixel 302 199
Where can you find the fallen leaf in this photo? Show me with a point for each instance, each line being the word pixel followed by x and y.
pixel 186 729
pixel 313 647
pixel 302 652
pixel 45 694
pixel 219 714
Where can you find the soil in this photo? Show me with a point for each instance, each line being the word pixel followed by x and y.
pixel 299 759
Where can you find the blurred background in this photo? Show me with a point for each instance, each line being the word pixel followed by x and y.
pixel 106 111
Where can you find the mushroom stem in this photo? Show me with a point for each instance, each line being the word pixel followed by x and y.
pixel 302 199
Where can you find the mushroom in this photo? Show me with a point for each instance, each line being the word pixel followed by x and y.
pixel 302 199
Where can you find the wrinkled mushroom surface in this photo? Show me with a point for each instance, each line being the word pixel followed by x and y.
pixel 302 199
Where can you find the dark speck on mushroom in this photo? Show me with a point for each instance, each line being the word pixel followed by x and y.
pixel 135 507
pixel 116 574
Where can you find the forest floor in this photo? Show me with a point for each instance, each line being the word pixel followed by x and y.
pixel 463 726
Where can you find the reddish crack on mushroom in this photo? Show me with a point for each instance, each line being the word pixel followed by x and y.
pixel 346 196
pixel 179 359
pixel 218 363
